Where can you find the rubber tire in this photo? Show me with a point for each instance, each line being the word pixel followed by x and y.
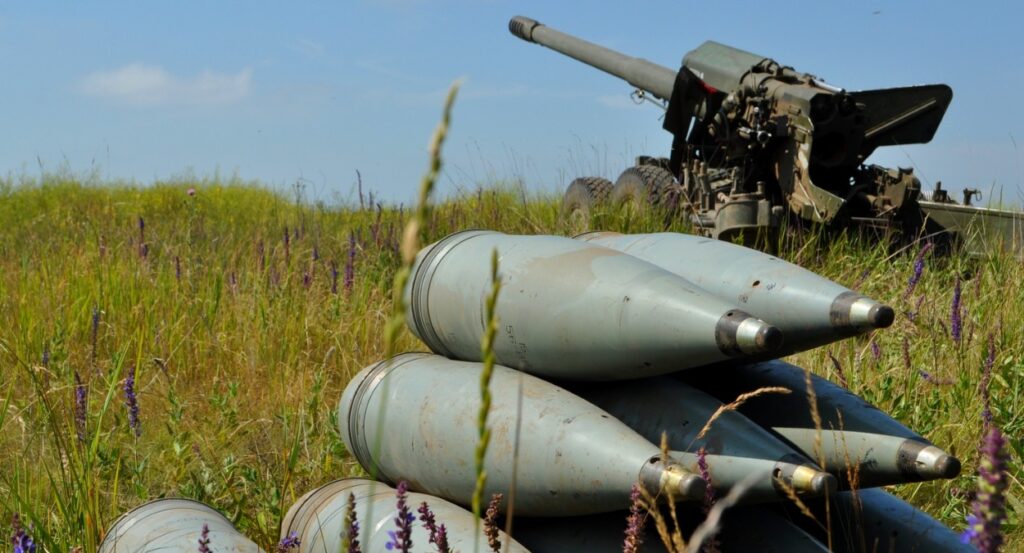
pixel 646 186
pixel 584 194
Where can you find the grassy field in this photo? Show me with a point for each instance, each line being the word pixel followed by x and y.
pixel 241 314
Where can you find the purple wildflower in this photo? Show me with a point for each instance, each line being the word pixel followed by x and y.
pixel 316 254
pixel 204 540
pixel 839 369
pixel 401 537
pixel 350 532
pixel 989 508
pixel 709 491
pixel 19 537
pixel 81 407
pixel 986 377
pixel 932 379
pixel 289 543
pixel 334 277
pixel 634 522
pixel 191 191
pixel 438 534
pixel 46 356
pixel 131 402
pixel 350 264
pixel 876 350
pixel 955 320
pixel 307 279
pixel 918 269
pixel 491 523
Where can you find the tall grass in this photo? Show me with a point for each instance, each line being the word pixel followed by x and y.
pixel 232 309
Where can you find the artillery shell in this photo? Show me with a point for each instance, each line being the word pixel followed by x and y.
pixel 414 418
pixel 735 446
pixel 318 519
pixel 174 525
pixel 809 309
pixel 620 317
pixel 857 440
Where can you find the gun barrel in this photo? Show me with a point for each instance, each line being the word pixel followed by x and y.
pixel 651 77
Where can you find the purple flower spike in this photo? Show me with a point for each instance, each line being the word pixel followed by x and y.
pixel 918 269
pixel 131 401
pixel 204 540
pixel 334 277
pixel 634 523
pixel 401 538
pixel 438 534
pixel 988 511
pixel 956 315
pixel 709 491
pixel 22 542
pixel 876 350
pixel 289 543
pixel 491 523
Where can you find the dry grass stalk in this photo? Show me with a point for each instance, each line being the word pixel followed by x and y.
pixel 650 504
pixel 740 400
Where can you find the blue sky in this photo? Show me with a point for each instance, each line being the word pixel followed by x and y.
pixel 279 91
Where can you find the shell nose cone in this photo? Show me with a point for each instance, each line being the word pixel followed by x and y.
pixel 881 316
pixel 947 466
pixel 692 486
pixel 768 338
pixel 740 333
pixel 824 483
pixel 927 461
pixel 851 311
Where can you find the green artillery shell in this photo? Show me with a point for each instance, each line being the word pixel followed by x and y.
pixel 414 417
pixel 856 436
pixel 736 447
pixel 750 529
pixel 620 317
pixel 318 519
pixel 810 310
pixel 173 525
pixel 879 521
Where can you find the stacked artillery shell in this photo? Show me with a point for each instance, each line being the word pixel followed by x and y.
pixel 810 310
pixel 856 439
pixel 572 457
pixel 873 520
pixel 735 447
pixel 318 519
pixel 174 525
pixel 628 309
pixel 618 316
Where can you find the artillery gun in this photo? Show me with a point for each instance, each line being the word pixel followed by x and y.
pixel 757 143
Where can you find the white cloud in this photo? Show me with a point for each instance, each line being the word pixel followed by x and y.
pixel 150 85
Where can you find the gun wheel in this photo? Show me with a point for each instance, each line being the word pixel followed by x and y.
pixel 645 186
pixel 583 195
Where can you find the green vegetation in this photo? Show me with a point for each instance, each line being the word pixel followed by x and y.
pixel 243 313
